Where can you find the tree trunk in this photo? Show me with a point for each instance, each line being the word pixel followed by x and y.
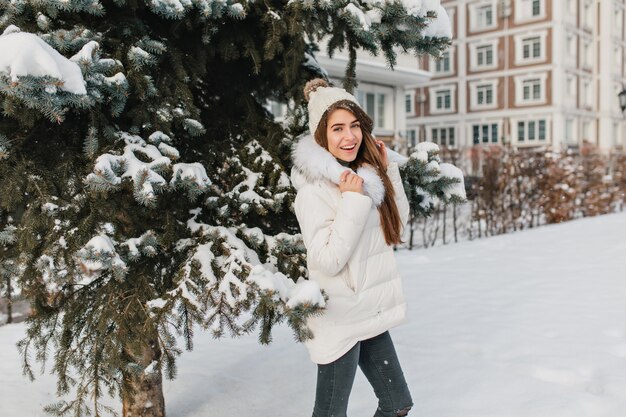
pixel 454 225
pixel 411 232
pixel 9 301
pixel 143 396
pixel 445 211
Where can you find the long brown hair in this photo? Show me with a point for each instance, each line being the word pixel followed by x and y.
pixel 368 154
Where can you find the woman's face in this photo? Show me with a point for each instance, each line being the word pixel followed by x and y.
pixel 344 135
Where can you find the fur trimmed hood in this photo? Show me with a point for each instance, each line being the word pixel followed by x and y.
pixel 312 163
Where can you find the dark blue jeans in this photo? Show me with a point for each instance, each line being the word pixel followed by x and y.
pixel 378 360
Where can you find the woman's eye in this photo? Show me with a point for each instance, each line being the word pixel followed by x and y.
pixel 337 129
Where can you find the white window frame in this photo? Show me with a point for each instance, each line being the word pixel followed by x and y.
pixel 433 91
pixel 587 130
pixel 473 85
pixel 474 18
pixel 481 123
pixel 587 14
pixel 618 20
pixel 474 55
pixel 528 122
pixel 447 128
pixel 388 109
pixel 571 48
pixel 433 64
pixel 519 47
pixel 571 11
pixel 411 133
pixel 570 137
pixel 570 87
pixel 523 11
pixel 410 94
pixel 617 55
pixel 586 91
pixel 587 51
pixel 519 89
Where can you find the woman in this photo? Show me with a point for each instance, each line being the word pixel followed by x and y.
pixel 351 208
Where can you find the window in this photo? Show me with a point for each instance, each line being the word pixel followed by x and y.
pixel 375 107
pixel 442 65
pixel 484 94
pixel 587 13
pixel 484 55
pixel 586 93
pixel 408 103
pixel 531 47
pixel 444 100
pixel 535 8
pixel 443 136
pixel 618 23
pixel 529 9
pixel 532 89
pixel 485 133
pixel 617 53
pixel 531 131
pixel 411 138
pixel 571 85
pixel 569 131
pixel 571 43
pixel 586 131
pixel 587 59
pixel 484 16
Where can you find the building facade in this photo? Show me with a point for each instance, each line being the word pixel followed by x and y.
pixel 525 73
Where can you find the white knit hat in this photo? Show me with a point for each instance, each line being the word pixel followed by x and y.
pixel 321 96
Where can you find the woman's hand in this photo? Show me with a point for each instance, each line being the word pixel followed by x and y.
pixel 350 182
pixel 383 153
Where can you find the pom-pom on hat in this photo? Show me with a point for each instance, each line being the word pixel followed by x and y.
pixel 320 97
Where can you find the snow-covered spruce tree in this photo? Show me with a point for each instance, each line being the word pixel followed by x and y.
pixel 429 182
pixel 142 182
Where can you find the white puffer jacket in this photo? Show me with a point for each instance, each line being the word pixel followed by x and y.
pixel 346 250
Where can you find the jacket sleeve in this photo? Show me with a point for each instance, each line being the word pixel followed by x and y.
pixel 401 201
pixel 330 235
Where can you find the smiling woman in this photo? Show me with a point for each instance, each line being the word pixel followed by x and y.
pixel 344 135
pixel 351 208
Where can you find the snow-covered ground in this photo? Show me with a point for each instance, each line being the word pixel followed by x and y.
pixel 531 324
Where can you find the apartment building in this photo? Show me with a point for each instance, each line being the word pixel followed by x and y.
pixel 525 73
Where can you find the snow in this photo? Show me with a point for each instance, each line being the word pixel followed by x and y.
pixel 117 79
pixel 194 172
pixel 363 19
pixel 427 147
pixel 86 53
pixel 530 324
pixel 306 292
pixel 440 26
pixel 27 54
pixel 450 171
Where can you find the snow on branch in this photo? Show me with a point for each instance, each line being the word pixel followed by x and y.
pixel 97 256
pixel 439 27
pixel 223 278
pixel 26 54
pixel 147 176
